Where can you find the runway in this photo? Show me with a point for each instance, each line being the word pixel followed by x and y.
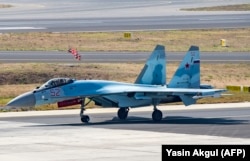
pixel 201 119
pixel 101 57
pixel 89 16
pixel 75 16
pixel 59 135
pixel 127 24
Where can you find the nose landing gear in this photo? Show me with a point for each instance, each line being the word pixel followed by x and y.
pixel 84 118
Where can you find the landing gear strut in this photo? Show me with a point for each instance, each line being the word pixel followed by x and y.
pixel 157 114
pixel 84 118
pixel 123 113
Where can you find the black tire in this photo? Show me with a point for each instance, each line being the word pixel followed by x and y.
pixel 85 119
pixel 157 116
pixel 122 113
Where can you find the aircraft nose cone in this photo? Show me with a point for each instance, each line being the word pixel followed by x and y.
pixel 25 100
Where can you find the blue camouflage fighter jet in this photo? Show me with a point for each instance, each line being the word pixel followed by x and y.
pixel 150 88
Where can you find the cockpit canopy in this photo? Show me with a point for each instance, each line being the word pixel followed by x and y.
pixel 55 82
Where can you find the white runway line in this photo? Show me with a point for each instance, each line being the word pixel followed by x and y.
pixel 21 28
pixel 110 110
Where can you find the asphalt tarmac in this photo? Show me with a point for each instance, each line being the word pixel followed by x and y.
pixel 64 57
pixel 59 135
pixel 227 122
pixel 75 16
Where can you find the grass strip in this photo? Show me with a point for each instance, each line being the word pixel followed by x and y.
pixel 5 6
pixel 19 78
pixel 174 40
pixel 237 7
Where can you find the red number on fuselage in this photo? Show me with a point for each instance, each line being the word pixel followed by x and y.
pixel 55 92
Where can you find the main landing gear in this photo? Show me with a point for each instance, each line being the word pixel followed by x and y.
pixel 157 114
pixel 123 113
pixel 84 118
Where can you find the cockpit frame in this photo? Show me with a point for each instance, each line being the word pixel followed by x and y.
pixel 56 82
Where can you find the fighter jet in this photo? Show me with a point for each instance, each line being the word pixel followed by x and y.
pixel 150 88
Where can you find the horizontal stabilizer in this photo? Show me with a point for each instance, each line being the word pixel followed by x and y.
pixel 215 95
pixel 199 97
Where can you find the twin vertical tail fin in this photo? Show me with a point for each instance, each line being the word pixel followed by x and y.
pixel 154 71
pixel 188 72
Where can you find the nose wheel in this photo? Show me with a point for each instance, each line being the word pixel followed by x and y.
pixel 84 118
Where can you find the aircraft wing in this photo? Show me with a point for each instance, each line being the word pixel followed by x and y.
pixel 187 95
pixel 155 89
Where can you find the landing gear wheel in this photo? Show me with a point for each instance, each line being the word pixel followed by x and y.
pixel 85 118
pixel 123 113
pixel 157 115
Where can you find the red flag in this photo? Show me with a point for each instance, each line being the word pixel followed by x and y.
pixel 75 53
